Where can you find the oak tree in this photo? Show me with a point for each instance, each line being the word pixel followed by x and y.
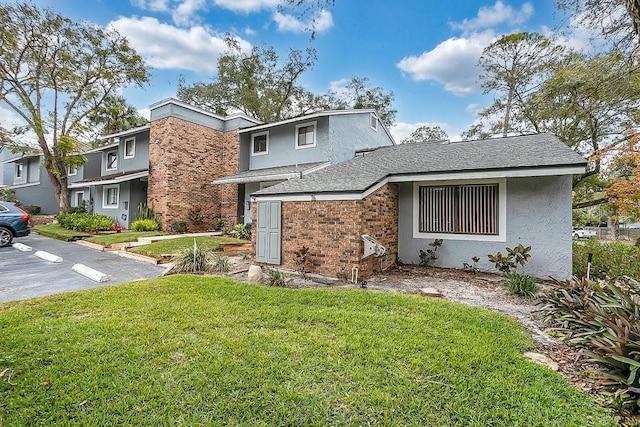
pixel 54 73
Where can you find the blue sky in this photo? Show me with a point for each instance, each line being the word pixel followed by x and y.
pixel 424 51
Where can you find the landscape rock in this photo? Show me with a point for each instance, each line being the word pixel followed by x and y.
pixel 430 292
pixel 541 359
pixel 255 274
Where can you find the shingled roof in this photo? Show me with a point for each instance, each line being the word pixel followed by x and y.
pixel 362 172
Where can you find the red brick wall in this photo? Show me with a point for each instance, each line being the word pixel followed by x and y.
pixel 184 158
pixel 332 229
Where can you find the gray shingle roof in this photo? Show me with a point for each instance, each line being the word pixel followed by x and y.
pixel 360 173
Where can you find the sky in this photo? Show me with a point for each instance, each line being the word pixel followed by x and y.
pixel 424 51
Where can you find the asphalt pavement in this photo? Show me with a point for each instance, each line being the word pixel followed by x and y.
pixel 24 275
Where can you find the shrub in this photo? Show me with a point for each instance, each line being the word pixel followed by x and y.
pixel 518 255
pixel 428 257
pixel 243 231
pixel 218 223
pixel 603 318
pixel 145 225
pixel 179 226
pixel 145 212
pixel 610 259
pixel 79 209
pixel 276 277
pixel 301 260
pixel 220 264
pixel 85 222
pixel 194 260
pixel 522 285
pixel 9 195
pixel 31 209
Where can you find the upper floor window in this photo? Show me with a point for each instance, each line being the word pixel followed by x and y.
pixel 373 121
pixel 306 135
pixel 72 170
pixel 260 143
pixel 112 160
pixel 129 148
pixel 19 170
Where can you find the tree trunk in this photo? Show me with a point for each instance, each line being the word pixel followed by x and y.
pixel 60 189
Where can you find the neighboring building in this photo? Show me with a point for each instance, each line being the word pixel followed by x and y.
pixel 275 152
pixel 83 195
pixel 27 176
pixel 120 187
pixel 478 196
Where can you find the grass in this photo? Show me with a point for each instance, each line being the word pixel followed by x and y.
pixel 124 237
pixel 197 350
pixel 174 246
pixel 55 231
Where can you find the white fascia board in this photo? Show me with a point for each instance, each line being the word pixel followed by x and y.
pixel 27 184
pixel 117 180
pixel 200 110
pixel 319 197
pixel 507 173
pixel 102 148
pixel 127 132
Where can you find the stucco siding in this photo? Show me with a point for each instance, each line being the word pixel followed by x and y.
pixel 538 214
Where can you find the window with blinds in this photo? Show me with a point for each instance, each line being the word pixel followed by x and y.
pixel 460 209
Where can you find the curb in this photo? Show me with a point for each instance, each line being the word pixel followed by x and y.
pixel 90 273
pixel 137 257
pixel 90 245
pixel 22 247
pixel 48 257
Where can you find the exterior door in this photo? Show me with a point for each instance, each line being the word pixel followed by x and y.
pixel 269 232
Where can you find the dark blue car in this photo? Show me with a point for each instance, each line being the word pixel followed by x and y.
pixel 14 222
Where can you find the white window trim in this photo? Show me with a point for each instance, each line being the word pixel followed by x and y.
pixel 106 160
pixel 373 119
pixel 19 167
pixel 502 212
pixel 259 153
pixel 82 193
pixel 104 196
pixel 72 171
pixel 124 147
pixel 315 134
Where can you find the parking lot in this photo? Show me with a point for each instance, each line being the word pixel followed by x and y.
pixel 25 275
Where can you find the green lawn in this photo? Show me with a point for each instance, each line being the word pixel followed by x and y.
pixel 57 232
pixel 197 350
pixel 173 246
pixel 124 237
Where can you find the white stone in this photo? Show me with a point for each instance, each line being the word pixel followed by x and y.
pixel 541 359
pixel 255 274
pixel 430 292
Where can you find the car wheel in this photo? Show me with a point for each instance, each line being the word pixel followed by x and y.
pixel 575 236
pixel 5 236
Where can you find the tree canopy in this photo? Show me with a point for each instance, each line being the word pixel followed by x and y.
pixel 426 133
pixel 113 115
pixel 54 73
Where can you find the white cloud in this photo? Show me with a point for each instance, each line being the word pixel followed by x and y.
pixel 250 32
pixel 290 23
pixel 183 14
pixel 498 14
pixel 165 46
pixel 154 5
pixel 145 112
pixel 452 63
pixel 247 6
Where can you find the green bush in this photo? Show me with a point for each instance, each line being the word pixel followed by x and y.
pixel 194 260
pixel 145 225
pixel 179 226
pixel 9 195
pixel 85 222
pixel 31 209
pixel 610 259
pixel 276 277
pixel 243 231
pixel 522 285
pixel 602 318
pixel 429 256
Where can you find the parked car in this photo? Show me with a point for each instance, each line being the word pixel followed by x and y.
pixel 583 233
pixel 14 222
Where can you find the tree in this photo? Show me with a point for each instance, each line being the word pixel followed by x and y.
pixel 255 83
pixel 357 94
pixel 114 115
pixel 512 67
pixel 616 20
pixel 426 133
pixel 54 73
pixel 624 192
